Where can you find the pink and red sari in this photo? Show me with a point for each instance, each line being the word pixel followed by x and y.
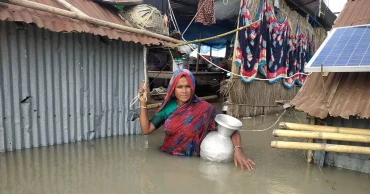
pixel 186 127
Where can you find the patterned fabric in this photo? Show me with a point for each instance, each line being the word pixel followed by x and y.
pixel 271 48
pixel 293 53
pixel 274 48
pixel 206 13
pixel 248 45
pixel 187 126
pixel 299 51
pixel 302 59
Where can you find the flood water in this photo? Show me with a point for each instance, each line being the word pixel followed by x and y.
pixel 134 164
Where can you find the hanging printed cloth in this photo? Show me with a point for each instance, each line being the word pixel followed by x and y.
pixel 293 53
pixel 311 47
pixel 302 59
pixel 274 48
pixel 206 12
pixel 248 45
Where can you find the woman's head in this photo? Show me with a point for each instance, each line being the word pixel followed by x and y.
pixel 182 90
pixel 181 86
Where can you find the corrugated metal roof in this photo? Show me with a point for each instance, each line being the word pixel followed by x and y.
pixel 352 96
pixel 57 23
pixel 355 12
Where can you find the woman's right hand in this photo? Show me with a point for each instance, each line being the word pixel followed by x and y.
pixel 143 91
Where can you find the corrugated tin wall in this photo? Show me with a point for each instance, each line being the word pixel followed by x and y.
pixel 357 162
pixel 64 87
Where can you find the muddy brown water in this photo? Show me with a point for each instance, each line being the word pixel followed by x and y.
pixel 134 164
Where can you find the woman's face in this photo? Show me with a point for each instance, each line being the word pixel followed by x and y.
pixel 183 90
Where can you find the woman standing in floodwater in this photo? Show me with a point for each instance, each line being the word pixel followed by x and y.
pixel 187 119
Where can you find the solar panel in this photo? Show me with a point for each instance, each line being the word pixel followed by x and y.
pixel 346 49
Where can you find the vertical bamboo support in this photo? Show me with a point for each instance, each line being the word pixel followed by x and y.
pixel 309 152
pixel 234 69
pixel 198 55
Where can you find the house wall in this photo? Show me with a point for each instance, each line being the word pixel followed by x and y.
pixel 357 162
pixel 64 87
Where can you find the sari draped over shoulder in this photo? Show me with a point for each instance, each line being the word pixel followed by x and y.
pixel 186 127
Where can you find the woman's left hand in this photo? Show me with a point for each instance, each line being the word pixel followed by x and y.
pixel 242 160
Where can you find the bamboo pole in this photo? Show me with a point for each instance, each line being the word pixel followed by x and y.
pixel 309 152
pixel 220 35
pixel 73 15
pixel 305 127
pixel 70 7
pixel 233 66
pixel 321 147
pixel 198 55
pixel 156 105
pixel 321 135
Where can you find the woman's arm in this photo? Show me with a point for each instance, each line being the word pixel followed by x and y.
pixel 146 126
pixel 238 152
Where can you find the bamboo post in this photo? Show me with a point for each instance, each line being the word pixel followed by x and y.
pixel 321 135
pixel 305 127
pixel 198 55
pixel 70 7
pixel 320 147
pixel 73 15
pixel 309 152
pixel 233 66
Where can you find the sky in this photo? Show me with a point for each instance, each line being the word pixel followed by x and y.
pixel 335 5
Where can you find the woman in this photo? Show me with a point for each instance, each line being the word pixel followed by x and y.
pixel 187 119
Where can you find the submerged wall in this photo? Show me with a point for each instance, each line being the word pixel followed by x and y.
pixel 64 87
pixel 357 162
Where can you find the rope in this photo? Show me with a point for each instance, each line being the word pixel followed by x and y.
pixel 227 1
pixel 173 17
pixel 260 130
pixel 194 17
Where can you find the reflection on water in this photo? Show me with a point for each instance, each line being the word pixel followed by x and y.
pixel 134 164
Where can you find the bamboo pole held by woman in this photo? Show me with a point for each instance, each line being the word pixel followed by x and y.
pixel 321 135
pixel 321 128
pixel 321 147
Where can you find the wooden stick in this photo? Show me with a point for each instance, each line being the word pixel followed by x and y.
pixel 220 35
pixel 73 15
pixel 321 135
pixel 305 127
pixel 321 147
pixel 310 153
pixel 70 7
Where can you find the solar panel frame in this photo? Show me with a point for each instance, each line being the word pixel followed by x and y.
pixel 351 56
